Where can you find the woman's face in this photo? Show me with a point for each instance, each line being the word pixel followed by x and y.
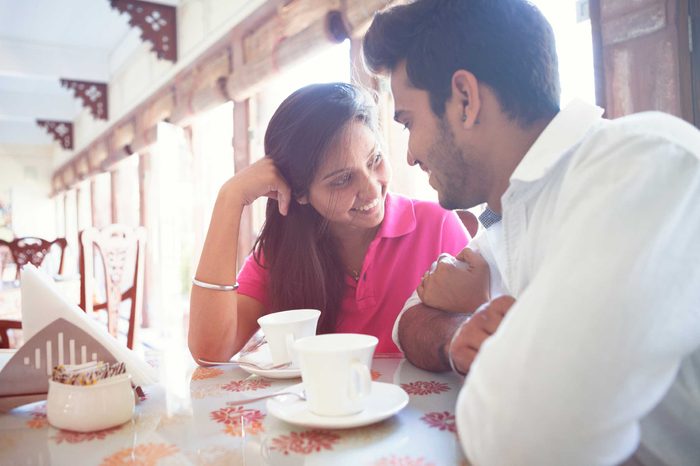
pixel 351 184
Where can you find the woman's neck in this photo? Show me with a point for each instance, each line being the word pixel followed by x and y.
pixel 353 245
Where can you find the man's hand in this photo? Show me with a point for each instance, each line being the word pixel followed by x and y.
pixel 484 323
pixel 458 284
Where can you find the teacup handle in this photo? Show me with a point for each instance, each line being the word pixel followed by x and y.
pixel 361 382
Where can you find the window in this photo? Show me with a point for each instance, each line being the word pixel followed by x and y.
pixel 572 33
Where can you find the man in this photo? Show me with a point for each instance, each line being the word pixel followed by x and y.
pixel 599 358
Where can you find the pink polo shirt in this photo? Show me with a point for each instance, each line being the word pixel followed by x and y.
pixel 412 235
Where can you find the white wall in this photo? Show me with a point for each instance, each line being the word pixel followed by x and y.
pixel 26 173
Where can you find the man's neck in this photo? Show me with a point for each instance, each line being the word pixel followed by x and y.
pixel 510 152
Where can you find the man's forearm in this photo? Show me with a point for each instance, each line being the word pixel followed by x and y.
pixel 424 333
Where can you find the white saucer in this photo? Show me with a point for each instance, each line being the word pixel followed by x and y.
pixel 385 400
pixel 262 357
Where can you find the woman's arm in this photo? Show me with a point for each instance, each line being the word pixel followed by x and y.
pixel 222 321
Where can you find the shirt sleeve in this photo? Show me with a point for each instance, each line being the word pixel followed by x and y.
pixel 596 339
pixel 252 281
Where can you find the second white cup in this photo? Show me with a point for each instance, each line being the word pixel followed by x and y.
pixel 283 328
pixel 335 369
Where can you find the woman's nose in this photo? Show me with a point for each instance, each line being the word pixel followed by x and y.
pixel 371 187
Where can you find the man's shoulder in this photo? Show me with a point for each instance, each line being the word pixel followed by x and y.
pixel 650 127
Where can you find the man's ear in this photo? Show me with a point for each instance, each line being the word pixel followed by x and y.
pixel 465 95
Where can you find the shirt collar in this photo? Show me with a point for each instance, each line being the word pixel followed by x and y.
pixel 488 218
pixel 399 217
pixel 565 130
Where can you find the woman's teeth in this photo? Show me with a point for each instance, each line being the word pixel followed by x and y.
pixel 367 207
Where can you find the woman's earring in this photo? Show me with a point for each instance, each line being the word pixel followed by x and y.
pixel 464 117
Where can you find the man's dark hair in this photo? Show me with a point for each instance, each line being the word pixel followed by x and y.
pixel 507 44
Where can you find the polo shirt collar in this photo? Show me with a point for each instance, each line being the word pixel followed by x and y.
pixel 399 217
pixel 566 129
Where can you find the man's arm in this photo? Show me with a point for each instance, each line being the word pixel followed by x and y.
pixel 425 333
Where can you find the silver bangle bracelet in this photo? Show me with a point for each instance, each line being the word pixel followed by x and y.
pixel 213 286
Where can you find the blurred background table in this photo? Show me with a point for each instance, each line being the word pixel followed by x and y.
pixel 186 420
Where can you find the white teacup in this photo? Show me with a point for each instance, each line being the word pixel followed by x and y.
pixel 282 328
pixel 335 369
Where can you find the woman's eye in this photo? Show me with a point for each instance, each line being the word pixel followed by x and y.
pixel 341 180
pixel 377 160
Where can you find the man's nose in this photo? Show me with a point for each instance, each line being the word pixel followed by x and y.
pixel 410 159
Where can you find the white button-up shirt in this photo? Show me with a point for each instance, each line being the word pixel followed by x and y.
pixel 601 248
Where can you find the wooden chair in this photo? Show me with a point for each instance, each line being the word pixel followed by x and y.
pixel 121 251
pixel 33 250
pixel 5 326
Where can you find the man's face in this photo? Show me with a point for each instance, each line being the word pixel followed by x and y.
pixel 454 166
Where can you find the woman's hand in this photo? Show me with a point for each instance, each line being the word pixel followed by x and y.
pixel 456 284
pixel 259 179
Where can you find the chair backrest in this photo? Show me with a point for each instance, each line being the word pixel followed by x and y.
pixel 122 251
pixel 6 325
pixel 33 250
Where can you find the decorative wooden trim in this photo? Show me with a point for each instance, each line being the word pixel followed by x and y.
pixel 358 14
pixel 93 95
pixel 120 140
pixel 158 24
pixel 61 131
pixel 82 167
pixel 249 78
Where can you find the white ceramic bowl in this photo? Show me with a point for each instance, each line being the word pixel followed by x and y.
pixel 89 408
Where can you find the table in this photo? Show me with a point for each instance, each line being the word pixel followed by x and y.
pixel 185 420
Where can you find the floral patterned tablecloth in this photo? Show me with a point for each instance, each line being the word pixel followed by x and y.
pixel 187 420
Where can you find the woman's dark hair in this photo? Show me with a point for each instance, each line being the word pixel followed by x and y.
pixel 305 268
pixel 507 44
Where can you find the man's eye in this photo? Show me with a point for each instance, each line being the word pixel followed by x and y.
pixel 405 126
pixel 341 180
pixel 376 160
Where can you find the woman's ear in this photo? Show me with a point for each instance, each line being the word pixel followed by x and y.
pixel 465 92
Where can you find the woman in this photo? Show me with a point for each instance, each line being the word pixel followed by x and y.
pixel 334 239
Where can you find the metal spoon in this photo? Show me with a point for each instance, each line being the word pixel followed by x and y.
pixel 246 363
pixel 300 395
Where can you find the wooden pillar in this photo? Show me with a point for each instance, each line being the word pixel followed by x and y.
pixel 149 279
pixel 114 194
pixel 65 215
pixel 241 159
